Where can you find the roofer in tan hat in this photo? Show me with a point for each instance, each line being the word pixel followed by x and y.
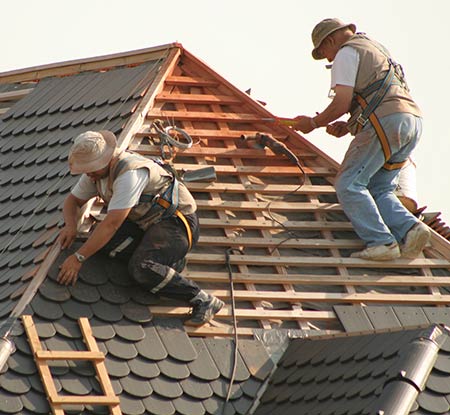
pixel 151 220
pixel 367 83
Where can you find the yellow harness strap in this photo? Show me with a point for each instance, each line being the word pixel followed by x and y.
pixel 381 137
pixel 165 204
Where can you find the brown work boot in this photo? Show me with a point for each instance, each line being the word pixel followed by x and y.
pixel 379 252
pixel 204 308
pixel 415 240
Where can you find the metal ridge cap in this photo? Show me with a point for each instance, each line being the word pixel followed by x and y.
pixel 410 374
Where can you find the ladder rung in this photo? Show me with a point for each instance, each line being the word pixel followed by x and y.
pixel 69 355
pixel 87 399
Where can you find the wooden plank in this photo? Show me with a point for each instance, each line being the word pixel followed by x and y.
pixel 207 116
pixel 312 279
pixel 197 151
pixel 191 81
pixel 318 261
pixel 197 98
pixel 209 134
pixel 260 170
pixel 14 95
pixel 291 225
pixel 271 242
pixel 301 207
pixel 69 355
pixel 242 314
pixel 90 64
pixel 245 295
pixel 100 367
pixel 86 400
pixel 278 189
pixel 43 368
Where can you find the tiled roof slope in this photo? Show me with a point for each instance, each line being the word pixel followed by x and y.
pixel 35 135
pixel 154 366
pixel 379 373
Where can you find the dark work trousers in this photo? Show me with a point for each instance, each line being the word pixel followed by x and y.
pixel 152 253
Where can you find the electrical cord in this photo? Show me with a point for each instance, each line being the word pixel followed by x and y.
pixel 228 252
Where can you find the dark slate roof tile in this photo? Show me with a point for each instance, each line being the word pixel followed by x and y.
pixel 151 346
pixel 35 404
pixel 75 385
pixel 434 403
pixel 136 386
pixel 136 312
pixel 158 406
pixel 166 387
pixel 45 329
pixel 130 405
pixel 22 364
pixel 187 406
pixel 75 309
pixel 353 318
pixel 196 388
pixel 84 293
pixel 438 315
pixel 46 310
pixel 117 367
pixel 242 405
pixel 218 348
pixel 256 358
pixel 54 292
pixel 113 294
pixel 203 367
pixel 10 403
pixel 11 383
pixel 173 369
pixel 144 368
pixel 129 331
pixel 214 405
pixel 175 339
pixel 106 311
pixel 220 387
pixel 120 348
pixel 251 387
pixel 82 368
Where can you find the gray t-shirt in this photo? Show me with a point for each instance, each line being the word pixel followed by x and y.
pixel 127 188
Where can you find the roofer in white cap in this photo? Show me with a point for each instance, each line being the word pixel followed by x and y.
pixel 151 220
pixel 386 122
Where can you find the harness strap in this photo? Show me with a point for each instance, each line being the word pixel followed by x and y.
pixel 165 204
pixel 381 137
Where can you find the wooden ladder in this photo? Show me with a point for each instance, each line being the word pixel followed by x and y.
pixel 93 354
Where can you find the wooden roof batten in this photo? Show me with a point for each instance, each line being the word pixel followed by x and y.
pixel 281 283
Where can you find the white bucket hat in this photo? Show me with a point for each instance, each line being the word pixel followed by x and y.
pixel 92 151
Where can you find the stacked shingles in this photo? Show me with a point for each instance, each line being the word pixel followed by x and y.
pixel 35 136
pixel 153 365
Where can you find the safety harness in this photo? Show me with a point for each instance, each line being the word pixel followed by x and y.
pixel 168 201
pixel 394 76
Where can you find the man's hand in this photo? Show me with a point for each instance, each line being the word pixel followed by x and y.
pixel 69 269
pixel 304 124
pixel 67 236
pixel 338 128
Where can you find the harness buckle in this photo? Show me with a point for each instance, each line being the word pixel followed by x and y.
pixel 155 199
pixel 361 120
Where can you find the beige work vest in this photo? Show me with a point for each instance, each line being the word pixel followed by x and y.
pixel 373 65
pixel 159 181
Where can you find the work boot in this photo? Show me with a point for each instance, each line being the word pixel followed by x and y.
pixel 415 240
pixel 379 252
pixel 204 307
pixel 179 265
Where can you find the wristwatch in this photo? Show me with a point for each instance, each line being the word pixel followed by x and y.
pixel 81 258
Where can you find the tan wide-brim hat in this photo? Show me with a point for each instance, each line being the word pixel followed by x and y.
pixel 325 28
pixel 92 151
